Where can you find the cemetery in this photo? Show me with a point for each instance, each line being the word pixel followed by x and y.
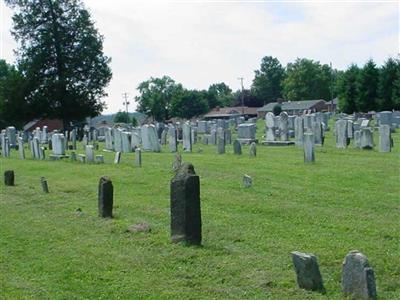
pixel 204 209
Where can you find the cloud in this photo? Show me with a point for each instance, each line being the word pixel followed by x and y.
pixel 200 43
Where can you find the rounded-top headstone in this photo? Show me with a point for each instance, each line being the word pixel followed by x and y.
pixel 269 119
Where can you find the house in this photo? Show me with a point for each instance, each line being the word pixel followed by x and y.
pixel 333 105
pixel 52 124
pixel 231 112
pixel 294 107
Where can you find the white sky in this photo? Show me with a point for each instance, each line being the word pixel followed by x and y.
pixel 199 43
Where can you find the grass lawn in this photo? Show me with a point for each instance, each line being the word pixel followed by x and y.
pixel 348 199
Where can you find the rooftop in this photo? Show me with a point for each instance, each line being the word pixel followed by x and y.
pixel 291 105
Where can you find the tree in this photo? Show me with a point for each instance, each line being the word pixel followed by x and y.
pixel 122 117
pixel 267 83
pixel 348 89
pixel 156 95
pixel 306 80
pixel 190 103
pixel 220 94
pixel 368 87
pixel 277 109
pixel 61 56
pixel 249 99
pixel 13 107
pixel 389 73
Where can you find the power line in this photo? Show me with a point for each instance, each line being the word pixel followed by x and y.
pixel 126 102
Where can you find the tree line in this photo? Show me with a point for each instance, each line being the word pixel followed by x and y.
pixel 61 72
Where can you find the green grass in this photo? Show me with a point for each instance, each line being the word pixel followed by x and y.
pixel 348 199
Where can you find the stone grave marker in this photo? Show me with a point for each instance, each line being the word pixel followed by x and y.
pixel 307 272
pixel 105 197
pixel 237 148
pixel 308 146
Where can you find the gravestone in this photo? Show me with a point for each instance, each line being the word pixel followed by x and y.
pixel 172 138
pixel 117 157
pixel 187 137
pixel 73 138
pixel 73 156
pixel 341 133
pixel 318 133
pixel 220 141
pixel 9 178
pixel 89 153
pixel 213 136
pixel 125 142
pixel 283 126
pixel 177 162
pixel 350 129
pixel 307 121
pixel 367 141
pixel 357 139
pixel 21 148
pixel 194 135
pixel 307 272
pixel 153 139
pixel 12 136
pixel 202 127
pixel 385 118
pixel 247 181
pixel 247 133
pixel 163 139
pixel 358 279
pixel 43 183
pixel 253 149
pixel 237 148
pixel 228 136
pixel 108 135
pixel 57 140
pixel 135 140
pixel 117 135
pixel 364 123
pixel 138 157
pixel 308 146
pixel 385 139
pixel 270 127
pixel 5 147
pixel 105 197
pixel 205 139
pixel 82 158
pixel 99 159
pixel 42 153
pixel 185 206
pixel 85 141
pixel 36 147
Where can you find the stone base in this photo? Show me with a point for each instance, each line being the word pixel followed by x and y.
pixel 106 150
pixel 278 143
pixel 57 157
pixel 247 141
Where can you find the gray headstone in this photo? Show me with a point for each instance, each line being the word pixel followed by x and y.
pixel 58 143
pixel 228 136
pixel 82 158
pixel 9 177
pixel 350 129
pixel 247 181
pixel 358 279
pixel 126 144
pixel 117 157
pixel 318 133
pixel 73 138
pixel 307 272
pixel 283 126
pixel 99 159
pixel 89 153
pixel 308 145
pixel 185 206
pixel 270 127
pixel 172 138
pixel 220 141
pixel 385 139
pixel 138 157
pixel 341 134
pixel 357 139
pixel 105 197
pixel 187 137
pixel 163 139
pixel 21 148
pixel 237 148
pixel 367 141
pixel 43 183
pixel 108 134
pixel 253 149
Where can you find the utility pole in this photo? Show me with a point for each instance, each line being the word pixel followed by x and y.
pixel 330 64
pixel 241 83
pixel 126 102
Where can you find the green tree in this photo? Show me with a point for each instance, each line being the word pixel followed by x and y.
pixel 306 80
pixel 122 117
pixel 267 83
pixel 14 109
pixel 190 103
pixel 61 56
pixel 220 94
pixel 389 73
pixel 348 89
pixel 368 87
pixel 156 95
pixel 277 109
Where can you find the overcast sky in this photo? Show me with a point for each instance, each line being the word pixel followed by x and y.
pixel 198 43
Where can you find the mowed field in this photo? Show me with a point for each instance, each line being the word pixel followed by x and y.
pixel 348 199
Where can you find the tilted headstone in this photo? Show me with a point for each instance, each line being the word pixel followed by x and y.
pixel 308 145
pixel 358 279
pixel 185 206
pixel 283 126
pixel 105 197
pixel 237 148
pixel 253 149
pixel 9 178
pixel 270 127
pixel 43 183
pixel 117 157
pixel 138 157
pixel 172 138
pixel 89 153
pixel 187 137
pixel 367 141
pixel 341 133
pixel 385 139
pixel 307 272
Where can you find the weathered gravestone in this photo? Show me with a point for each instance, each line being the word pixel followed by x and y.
pixel 89 153
pixel 185 206
pixel 358 279
pixel 172 138
pixel 220 141
pixel 135 139
pixel 163 139
pixel 117 135
pixel 57 140
pixel 5 150
pixel 270 127
pixel 187 137
pixel 253 149
pixel 21 148
pixel 9 177
pixel 247 133
pixel 138 157
pixel 237 148
pixel 307 272
pixel 43 183
pixel 341 134
pixel 99 159
pixel 357 139
pixel 105 197
pixel 82 158
pixel 385 139
pixel 318 132
pixel 73 156
pixel 298 130
pixel 247 181
pixel 228 136
pixel 108 134
pixel 12 136
pixel 126 144
pixel 213 136
pixel 117 157
pixel 283 126
pixel 367 141
pixel 73 139
pixel 350 129
pixel 308 146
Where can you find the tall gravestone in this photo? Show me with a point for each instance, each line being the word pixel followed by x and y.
pixel 125 142
pixel 357 139
pixel 135 140
pixel 318 132
pixel 308 145
pixel 213 136
pixel 253 149
pixel 108 136
pixel 117 135
pixel 350 129
pixel 163 139
pixel 185 206
pixel 237 148
pixel 367 141
pixel 21 148
pixel 73 138
pixel 341 133
pixel 172 138
pixel 12 136
pixel 36 147
pixel 358 279
pixel 283 126
pixel 138 157
pixel 220 140
pixel 187 137
pixel 270 127
pixel 57 141
pixel 385 139
pixel 228 136
pixel 105 197
pixel 89 153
